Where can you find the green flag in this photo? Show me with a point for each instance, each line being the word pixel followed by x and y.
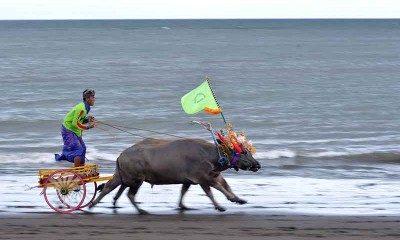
pixel 200 98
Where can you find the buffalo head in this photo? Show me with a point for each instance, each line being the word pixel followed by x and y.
pixel 246 162
pixel 241 149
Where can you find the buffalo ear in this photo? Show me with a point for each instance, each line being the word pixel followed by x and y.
pixel 219 141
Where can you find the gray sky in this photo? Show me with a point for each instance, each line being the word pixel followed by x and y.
pixel 167 9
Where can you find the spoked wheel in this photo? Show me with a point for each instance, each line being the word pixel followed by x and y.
pixel 64 191
pixel 90 194
pixel 78 194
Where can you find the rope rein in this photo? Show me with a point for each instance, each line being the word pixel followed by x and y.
pixel 121 128
pixel 223 158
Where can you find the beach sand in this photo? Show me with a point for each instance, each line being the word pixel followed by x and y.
pixel 184 226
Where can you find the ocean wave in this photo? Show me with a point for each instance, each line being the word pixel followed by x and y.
pixel 47 158
pixel 274 154
pixel 93 155
pixel 326 141
pixel 366 157
pixel 326 154
pixel 286 153
pixel 375 157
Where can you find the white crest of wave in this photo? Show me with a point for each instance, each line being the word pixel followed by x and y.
pixel 37 157
pixel 274 154
pixel 98 155
pixel 27 158
pixel 327 154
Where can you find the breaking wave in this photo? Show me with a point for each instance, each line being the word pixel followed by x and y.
pixel 367 157
pixel 274 154
pixel 48 158
pixel 93 155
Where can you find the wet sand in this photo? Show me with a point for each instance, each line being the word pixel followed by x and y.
pixel 183 226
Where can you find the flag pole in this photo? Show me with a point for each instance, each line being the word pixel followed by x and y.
pixel 215 98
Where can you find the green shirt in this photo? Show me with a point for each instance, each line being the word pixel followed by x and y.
pixel 76 119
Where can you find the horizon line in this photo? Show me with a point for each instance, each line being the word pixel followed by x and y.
pixel 175 19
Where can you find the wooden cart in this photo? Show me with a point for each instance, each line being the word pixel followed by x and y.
pixel 70 189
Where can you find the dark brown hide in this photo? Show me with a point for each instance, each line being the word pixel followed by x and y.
pixel 183 161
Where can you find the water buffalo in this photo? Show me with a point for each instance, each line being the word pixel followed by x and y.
pixel 182 161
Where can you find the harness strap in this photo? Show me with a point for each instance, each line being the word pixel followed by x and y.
pixel 222 160
pixel 235 157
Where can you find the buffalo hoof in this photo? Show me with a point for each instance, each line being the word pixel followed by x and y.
pixel 100 187
pixel 142 212
pixel 238 200
pixel 184 208
pixel 221 209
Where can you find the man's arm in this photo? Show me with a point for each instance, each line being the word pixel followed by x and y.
pixel 75 121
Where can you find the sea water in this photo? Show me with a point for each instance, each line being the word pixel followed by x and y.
pixel 318 99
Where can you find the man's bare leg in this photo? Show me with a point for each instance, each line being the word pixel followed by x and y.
pixel 77 161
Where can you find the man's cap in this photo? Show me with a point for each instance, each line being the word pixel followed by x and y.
pixel 88 93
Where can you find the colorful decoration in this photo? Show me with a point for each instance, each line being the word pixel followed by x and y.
pixel 237 142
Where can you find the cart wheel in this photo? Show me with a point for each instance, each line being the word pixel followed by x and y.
pixel 78 194
pixel 64 187
pixel 90 194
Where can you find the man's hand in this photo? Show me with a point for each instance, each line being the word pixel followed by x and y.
pixel 91 119
pixel 92 125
